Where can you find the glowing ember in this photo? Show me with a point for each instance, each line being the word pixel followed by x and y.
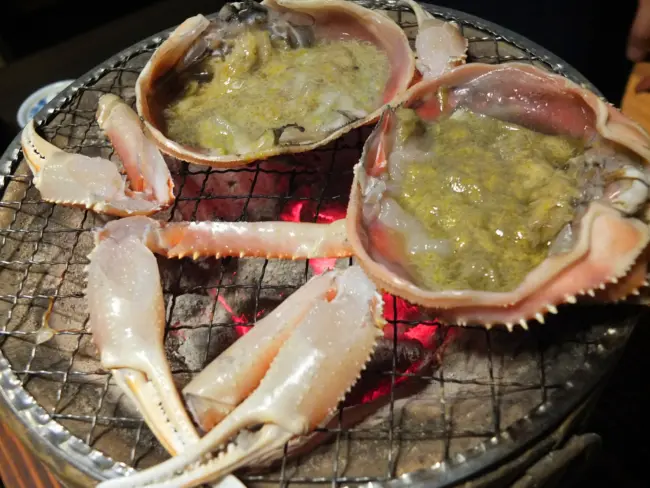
pixel 242 329
pixel 423 333
pixel 176 332
pixel 292 211
pixel 242 324
pixel 206 195
pixel 405 317
pixel 239 320
pixel 398 309
pixel 385 386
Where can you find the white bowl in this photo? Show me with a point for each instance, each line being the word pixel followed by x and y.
pixel 37 100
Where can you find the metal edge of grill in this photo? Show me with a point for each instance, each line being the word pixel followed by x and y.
pixel 70 455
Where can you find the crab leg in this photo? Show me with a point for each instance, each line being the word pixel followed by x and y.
pixel 293 240
pixel 127 321
pixel 236 372
pixel 439 45
pixel 124 288
pixel 313 370
pixel 96 183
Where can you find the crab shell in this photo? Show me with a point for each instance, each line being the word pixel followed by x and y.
pixel 608 255
pixel 333 19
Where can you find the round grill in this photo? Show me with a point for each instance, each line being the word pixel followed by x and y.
pixel 437 405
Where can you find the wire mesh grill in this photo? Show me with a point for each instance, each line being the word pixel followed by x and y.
pixel 480 383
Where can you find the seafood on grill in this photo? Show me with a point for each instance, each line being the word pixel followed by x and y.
pixel 280 76
pixel 576 202
pixel 582 203
pixel 127 321
pixel 96 183
pixel 451 45
pixel 494 194
pixel 486 194
pixel 287 374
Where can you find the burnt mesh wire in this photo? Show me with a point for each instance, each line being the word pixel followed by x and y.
pixel 431 392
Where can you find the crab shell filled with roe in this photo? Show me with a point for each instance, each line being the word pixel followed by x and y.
pixel 495 192
pixel 272 78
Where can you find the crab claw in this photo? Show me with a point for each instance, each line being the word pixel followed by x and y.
pixel 127 321
pixel 235 373
pixel 315 367
pixel 95 183
pixel 439 45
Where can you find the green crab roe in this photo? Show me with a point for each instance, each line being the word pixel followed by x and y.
pixel 497 192
pixel 263 85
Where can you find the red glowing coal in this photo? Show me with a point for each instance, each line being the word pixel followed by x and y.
pixel 402 322
pixel 239 320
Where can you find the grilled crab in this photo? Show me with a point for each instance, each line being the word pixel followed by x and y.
pixel 263 79
pixel 277 77
pixel 599 246
pixel 586 169
pixel 589 241
pixel 96 183
pixel 577 223
pixel 286 375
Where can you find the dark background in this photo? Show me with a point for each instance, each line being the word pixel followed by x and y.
pixel 42 41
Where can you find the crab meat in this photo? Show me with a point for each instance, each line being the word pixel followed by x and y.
pixel 589 233
pixel 127 321
pixel 233 375
pixel 96 183
pixel 439 45
pixel 289 377
pixel 293 67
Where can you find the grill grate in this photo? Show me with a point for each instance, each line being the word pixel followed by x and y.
pixel 482 383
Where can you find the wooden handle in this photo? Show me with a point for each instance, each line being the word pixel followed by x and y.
pixel 637 105
pixel 19 468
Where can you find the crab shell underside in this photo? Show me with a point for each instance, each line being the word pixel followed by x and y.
pixel 607 261
pixel 333 19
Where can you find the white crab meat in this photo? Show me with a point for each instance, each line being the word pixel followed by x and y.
pixel 320 358
pixel 96 183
